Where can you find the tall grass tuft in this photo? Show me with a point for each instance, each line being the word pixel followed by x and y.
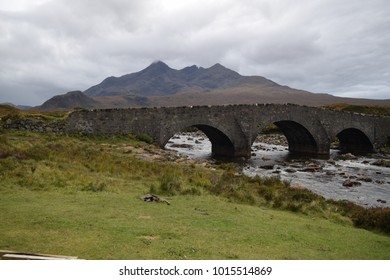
pixel 170 184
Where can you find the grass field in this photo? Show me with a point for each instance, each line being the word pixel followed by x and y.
pixel 77 196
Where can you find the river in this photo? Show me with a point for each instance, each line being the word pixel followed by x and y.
pixel 340 177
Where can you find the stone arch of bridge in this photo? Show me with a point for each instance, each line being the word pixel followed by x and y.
pixel 300 139
pixel 221 144
pixel 354 140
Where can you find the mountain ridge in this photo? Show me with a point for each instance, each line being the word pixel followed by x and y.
pixel 159 79
pixel 160 85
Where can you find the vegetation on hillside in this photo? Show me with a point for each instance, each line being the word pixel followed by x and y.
pixel 7 111
pixel 363 109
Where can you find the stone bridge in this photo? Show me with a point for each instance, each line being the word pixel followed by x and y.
pixel 232 129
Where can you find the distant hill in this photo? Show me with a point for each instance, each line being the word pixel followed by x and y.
pixel 6 109
pixel 69 100
pixel 21 107
pixel 160 85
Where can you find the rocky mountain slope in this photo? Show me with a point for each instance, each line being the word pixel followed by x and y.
pixel 160 80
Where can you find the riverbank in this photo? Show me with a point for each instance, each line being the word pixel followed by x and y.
pixel 361 179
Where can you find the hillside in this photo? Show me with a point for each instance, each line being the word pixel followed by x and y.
pixel 160 85
pixel 69 100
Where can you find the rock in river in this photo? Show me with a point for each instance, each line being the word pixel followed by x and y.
pixel 350 183
pixel 382 162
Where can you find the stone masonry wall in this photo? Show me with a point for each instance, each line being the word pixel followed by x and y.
pixel 232 129
pixel 239 123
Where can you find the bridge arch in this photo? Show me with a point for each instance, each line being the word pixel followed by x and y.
pixel 221 144
pixel 300 139
pixel 354 140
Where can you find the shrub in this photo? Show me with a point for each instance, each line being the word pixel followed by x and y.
pixel 144 138
pixel 169 184
pixel 271 129
pixel 266 192
pixel 367 218
pixel 372 218
pixel 277 202
pixel 293 206
pixel 302 195
pixel 225 185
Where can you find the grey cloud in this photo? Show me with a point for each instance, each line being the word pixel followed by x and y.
pixel 339 47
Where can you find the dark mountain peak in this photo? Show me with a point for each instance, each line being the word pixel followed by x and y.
pixel 217 76
pixel 222 71
pixel 157 67
pixel 218 66
pixel 190 70
pixel 159 63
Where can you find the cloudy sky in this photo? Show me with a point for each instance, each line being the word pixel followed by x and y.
pixel 49 47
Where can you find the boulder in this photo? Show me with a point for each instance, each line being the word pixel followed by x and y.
pixel 290 170
pixel 311 167
pixel 267 167
pixel 347 156
pixel 350 183
pixel 382 162
pixel 365 179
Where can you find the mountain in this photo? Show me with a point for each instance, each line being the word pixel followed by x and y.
pixel 69 100
pixel 160 85
pixel 160 80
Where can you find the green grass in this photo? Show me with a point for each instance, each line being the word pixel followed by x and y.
pixel 118 226
pixel 79 196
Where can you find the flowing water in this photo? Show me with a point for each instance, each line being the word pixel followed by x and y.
pixel 340 177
